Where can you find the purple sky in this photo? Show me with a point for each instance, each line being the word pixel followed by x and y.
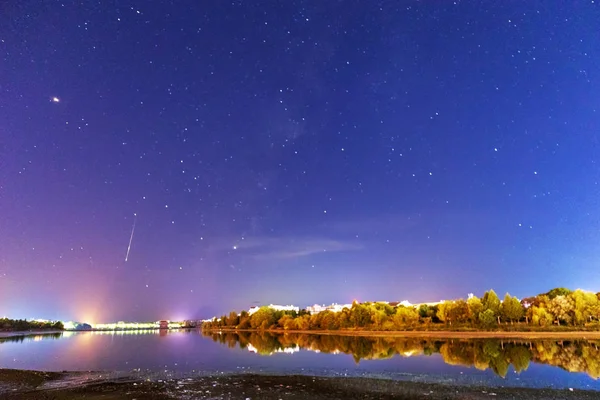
pixel 297 153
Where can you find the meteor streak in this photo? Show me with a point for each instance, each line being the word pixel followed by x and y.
pixel 131 237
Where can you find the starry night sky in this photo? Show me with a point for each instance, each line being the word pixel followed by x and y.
pixel 293 152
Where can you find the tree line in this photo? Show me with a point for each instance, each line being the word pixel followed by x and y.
pixel 558 307
pixel 494 354
pixel 25 325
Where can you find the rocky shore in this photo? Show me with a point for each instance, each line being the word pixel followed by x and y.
pixel 29 385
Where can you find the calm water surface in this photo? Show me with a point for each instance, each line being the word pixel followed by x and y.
pixel 548 363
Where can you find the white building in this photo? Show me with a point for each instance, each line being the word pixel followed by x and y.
pixel 334 308
pixel 275 307
pixel 316 308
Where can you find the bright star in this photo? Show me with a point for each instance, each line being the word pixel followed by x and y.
pixel 55 100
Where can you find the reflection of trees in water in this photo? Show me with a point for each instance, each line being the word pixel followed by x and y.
pixel 35 338
pixel 495 354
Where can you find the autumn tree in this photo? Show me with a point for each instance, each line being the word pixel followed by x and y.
pixel 475 306
pixel 459 311
pixel 343 318
pixel 244 322
pixel 329 320
pixel 539 316
pixel 359 315
pixel 303 322
pixel 427 313
pixel 511 308
pixel 558 292
pixel 406 317
pixel 287 322
pixel 562 307
pixel 444 311
pixel 491 302
pixel 487 318
pixel 264 318
pixel 232 319
pixel 585 307
pixel 378 318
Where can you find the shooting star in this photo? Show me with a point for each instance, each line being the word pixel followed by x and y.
pixel 131 237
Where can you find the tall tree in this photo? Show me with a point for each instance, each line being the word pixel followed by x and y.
pixel 562 307
pixel 491 302
pixel 558 292
pixel 360 315
pixel 487 318
pixel 511 308
pixel 585 306
pixel 459 312
pixel 475 307
pixel 405 317
pixel 233 319
pixel 444 311
pixel 264 318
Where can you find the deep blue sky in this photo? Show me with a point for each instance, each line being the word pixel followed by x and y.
pixel 294 152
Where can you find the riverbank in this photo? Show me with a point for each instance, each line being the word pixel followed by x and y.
pixel 583 335
pixel 29 385
pixel 12 334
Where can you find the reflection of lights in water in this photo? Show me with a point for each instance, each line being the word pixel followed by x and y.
pixel 136 325
pixel 288 350
pixel 153 331
pixel 285 350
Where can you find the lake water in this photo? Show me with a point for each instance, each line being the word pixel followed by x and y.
pixel 547 363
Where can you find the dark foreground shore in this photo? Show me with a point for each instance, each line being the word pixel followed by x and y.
pixel 17 384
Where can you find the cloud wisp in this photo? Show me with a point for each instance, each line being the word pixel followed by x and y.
pixel 286 248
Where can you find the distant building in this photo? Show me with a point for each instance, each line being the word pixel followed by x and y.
pixel 163 324
pixel 76 326
pixel 275 307
pixel 430 304
pixel 315 309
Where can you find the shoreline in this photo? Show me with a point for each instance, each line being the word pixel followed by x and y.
pixel 13 334
pixel 583 335
pixel 20 384
pixel 429 334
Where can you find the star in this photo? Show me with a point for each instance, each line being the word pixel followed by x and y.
pixel 55 100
